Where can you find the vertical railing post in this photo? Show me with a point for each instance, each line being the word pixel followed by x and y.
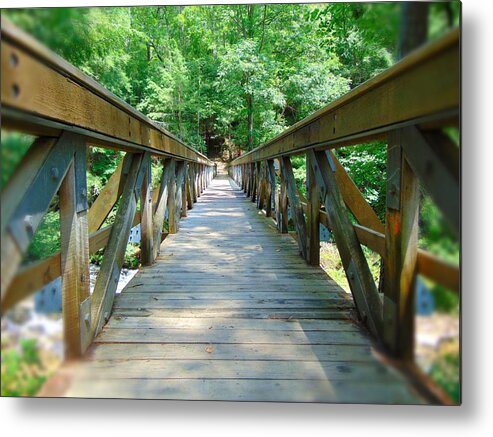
pixel 75 257
pixel 312 215
pixel 282 222
pixel 401 244
pixel 271 173
pixel 146 234
pixel 184 191
pixel 172 201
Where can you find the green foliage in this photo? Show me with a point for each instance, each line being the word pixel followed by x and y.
pixel 130 261
pixel 22 371
pixel 46 240
pixel 14 147
pixel 367 166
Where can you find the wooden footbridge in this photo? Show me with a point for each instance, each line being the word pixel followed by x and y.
pixel 230 303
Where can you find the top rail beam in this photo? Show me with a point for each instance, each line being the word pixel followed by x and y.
pixel 41 93
pixel 423 88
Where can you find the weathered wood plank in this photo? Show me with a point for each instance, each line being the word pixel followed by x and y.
pixel 312 216
pixel 294 202
pixel 147 335
pixel 278 352
pixel 146 226
pixel 75 257
pixel 164 189
pixel 108 197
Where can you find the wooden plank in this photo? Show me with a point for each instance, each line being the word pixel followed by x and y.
pixel 107 280
pixel 229 369
pixel 312 217
pixel 294 202
pixel 249 390
pixel 271 174
pixel 33 204
pixel 108 197
pixel 146 226
pixel 229 324
pixel 184 195
pixel 55 91
pixel 424 85
pixel 278 352
pixel 239 313
pixel 74 258
pixel 163 199
pixel 282 217
pixel 401 241
pixel 363 288
pixel 146 335
pixel 180 178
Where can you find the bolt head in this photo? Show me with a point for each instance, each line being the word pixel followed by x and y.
pixel 54 173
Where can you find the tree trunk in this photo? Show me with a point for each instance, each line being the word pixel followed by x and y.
pixel 414 26
pixel 249 102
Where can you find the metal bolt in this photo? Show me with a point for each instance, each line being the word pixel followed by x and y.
pixel 15 90
pixel 393 190
pixel 106 316
pixel 54 173
pixel 83 193
pixel 87 318
pixel 28 222
pixel 14 60
pixel 351 275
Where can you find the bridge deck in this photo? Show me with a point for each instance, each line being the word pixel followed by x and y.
pixel 230 311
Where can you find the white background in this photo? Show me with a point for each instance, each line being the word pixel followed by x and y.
pixel 66 417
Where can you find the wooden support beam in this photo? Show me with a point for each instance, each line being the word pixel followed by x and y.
pixel 32 204
pixel 271 174
pixel 146 227
pixel 172 229
pixel 107 280
pixel 360 280
pixel 184 194
pixel 108 196
pixel 75 257
pixel 174 219
pixel 261 186
pixel 401 239
pixel 354 200
pixel 163 201
pixel 313 216
pixel 282 219
pixel 294 202
pixel 442 185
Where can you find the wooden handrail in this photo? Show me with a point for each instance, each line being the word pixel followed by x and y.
pixel 44 94
pixel 421 89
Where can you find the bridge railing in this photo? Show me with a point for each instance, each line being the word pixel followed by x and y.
pixel 408 106
pixel 67 112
